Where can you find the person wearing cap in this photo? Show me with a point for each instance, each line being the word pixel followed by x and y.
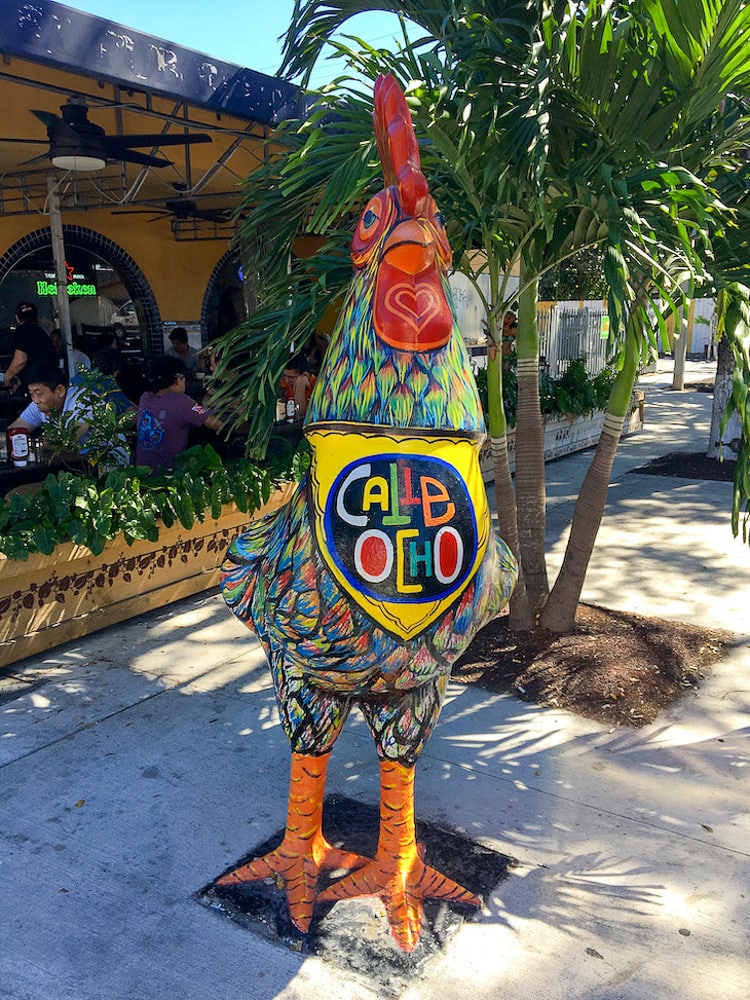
pixel 166 414
pixel 182 350
pixel 31 347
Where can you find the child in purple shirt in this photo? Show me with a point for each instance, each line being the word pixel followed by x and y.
pixel 166 414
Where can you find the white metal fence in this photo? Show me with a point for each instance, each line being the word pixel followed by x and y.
pixel 567 330
pixel 570 330
pixel 701 327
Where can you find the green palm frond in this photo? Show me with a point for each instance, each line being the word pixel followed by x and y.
pixel 545 128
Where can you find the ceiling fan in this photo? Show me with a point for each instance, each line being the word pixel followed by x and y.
pixel 77 144
pixel 182 210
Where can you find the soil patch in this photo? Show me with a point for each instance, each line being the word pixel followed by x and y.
pixel 617 668
pixel 690 465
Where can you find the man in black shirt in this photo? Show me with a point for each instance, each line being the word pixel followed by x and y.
pixel 31 346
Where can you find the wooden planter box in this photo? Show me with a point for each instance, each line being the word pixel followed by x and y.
pixel 48 600
pixel 568 435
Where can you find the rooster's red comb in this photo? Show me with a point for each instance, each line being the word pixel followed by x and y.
pixel 397 144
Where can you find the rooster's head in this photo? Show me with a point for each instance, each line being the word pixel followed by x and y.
pixel 401 237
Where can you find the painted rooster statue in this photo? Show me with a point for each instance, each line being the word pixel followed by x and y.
pixel 372 580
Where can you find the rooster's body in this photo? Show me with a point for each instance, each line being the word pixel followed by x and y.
pixel 372 580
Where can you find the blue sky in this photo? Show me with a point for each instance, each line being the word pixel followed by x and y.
pixel 240 31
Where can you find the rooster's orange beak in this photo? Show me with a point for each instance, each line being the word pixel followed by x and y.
pixel 410 247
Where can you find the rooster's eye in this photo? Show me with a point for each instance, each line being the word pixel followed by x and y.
pixel 374 222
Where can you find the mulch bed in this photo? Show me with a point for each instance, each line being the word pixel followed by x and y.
pixel 616 667
pixel 690 465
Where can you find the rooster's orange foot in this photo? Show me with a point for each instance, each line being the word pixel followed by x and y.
pixel 298 872
pixel 402 888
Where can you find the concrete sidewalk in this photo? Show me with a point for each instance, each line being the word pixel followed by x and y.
pixel 139 763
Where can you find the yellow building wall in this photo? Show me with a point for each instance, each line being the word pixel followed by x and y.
pixel 178 271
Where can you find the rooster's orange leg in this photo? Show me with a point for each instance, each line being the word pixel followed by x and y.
pixel 304 852
pixel 397 874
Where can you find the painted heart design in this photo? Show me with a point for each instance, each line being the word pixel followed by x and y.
pixel 409 315
pixel 415 306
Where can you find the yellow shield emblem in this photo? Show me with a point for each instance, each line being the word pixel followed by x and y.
pixel 400 518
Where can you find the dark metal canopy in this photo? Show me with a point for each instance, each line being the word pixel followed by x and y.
pixel 66 39
pixel 124 83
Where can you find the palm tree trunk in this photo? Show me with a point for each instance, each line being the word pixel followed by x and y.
pixel 521 619
pixel 719 444
pixel 681 340
pixel 530 482
pixel 559 614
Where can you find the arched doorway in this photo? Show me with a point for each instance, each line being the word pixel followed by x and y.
pixel 230 297
pixel 100 271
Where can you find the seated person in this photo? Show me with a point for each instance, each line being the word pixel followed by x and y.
pixel 79 358
pixel 510 332
pixel 297 383
pixel 182 350
pixel 107 363
pixel 49 390
pixel 166 413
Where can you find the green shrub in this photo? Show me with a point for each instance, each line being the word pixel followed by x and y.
pixel 73 507
pixel 91 509
pixel 575 393
pixel 111 432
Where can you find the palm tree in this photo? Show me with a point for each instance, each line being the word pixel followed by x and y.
pixel 655 117
pixel 703 137
pixel 550 127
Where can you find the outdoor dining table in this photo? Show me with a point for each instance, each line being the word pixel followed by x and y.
pixel 13 476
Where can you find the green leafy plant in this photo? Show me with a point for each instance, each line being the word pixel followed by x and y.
pixel 132 501
pixel 109 439
pixel 578 277
pixel 575 393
